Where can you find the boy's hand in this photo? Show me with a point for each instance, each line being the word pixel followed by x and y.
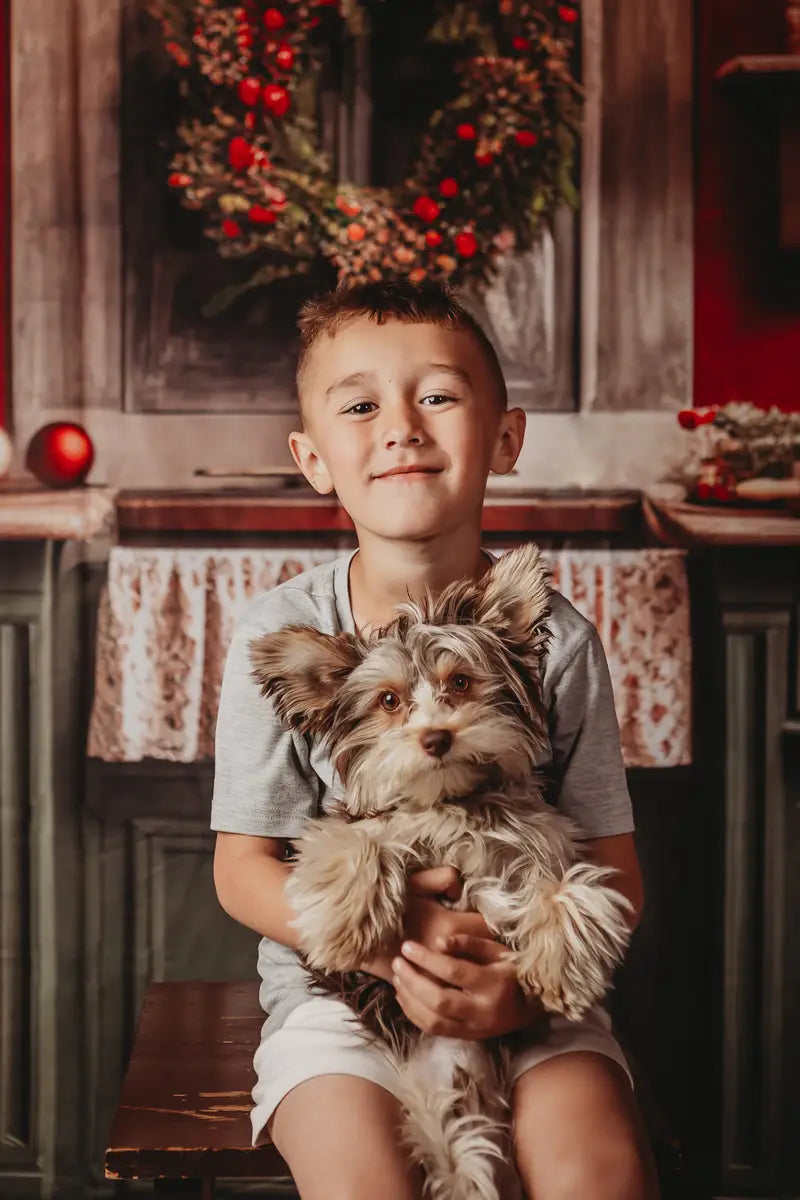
pixel 427 919
pixel 465 988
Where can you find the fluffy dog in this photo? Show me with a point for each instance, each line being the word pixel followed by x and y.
pixel 435 725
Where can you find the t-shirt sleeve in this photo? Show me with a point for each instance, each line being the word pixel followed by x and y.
pixel 263 781
pixel 588 770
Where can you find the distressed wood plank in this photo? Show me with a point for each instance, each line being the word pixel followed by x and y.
pixel 644 229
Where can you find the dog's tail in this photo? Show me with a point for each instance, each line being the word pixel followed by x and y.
pixel 571 937
pixel 457 1121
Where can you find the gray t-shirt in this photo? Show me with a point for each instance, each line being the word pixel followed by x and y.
pixel 268 779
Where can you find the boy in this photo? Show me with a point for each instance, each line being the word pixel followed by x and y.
pixel 404 414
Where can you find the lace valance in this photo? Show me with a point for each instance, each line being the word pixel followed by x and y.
pixel 166 618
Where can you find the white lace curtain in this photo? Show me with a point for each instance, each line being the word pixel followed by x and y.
pixel 166 619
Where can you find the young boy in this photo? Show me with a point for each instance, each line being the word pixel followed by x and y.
pixel 404 414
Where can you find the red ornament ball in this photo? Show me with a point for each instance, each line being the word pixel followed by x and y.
pixel 276 99
pixel 426 208
pixel 60 455
pixel 484 159
pixel 568 15
pixel 240 154
pixel 249 90
pixel 285 57
pixel 274 18
pixel 260 215
pixel 466 244
pixel 449 187
pixel 231 228
pixel 526 138
pixel 466 132
pixel 433 238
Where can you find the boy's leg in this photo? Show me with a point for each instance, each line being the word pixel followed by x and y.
pixel 578 1132
pixel 340 1136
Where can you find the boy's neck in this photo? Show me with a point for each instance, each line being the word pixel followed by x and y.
pixel 384 573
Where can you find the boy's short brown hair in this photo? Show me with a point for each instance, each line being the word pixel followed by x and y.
pixel 422 304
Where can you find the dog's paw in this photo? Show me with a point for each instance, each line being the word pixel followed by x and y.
pixel 574 935
pixel 348 891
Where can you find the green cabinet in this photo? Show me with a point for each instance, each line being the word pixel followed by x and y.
pixel 42 1066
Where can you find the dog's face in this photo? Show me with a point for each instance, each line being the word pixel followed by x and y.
pixel 439 705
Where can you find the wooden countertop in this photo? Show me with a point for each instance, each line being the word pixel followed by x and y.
pixel 299 510
pixel 31 512
pixel 677 523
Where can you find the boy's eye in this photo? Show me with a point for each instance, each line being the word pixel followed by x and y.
pixel 362 404
pixel 390 702
pixel 438 397
pixel 459 683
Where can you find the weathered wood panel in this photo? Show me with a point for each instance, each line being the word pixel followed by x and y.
pixel 638 226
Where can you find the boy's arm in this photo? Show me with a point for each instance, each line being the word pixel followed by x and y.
pixel 249 876
pixel 619 852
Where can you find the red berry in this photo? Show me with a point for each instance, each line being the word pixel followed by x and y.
pixel 276 99
pixel 231 228
pixel 250 120
pixel 466 244
pixel 449 187
pixel 484 160
pixel 178 179
pixel 426 208
pixel 285 57
pixel 466 132
pixel 274 18
pixel 526 138
pixel 261 215
pixel 240 154
pixel 433 238
pixel 249 90
pixel 521 43
pixel 568 15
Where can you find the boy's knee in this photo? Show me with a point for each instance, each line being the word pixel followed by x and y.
pixel 608 1172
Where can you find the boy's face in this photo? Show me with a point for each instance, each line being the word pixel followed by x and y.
pixel 377 398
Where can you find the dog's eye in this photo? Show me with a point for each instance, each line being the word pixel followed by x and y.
pixel 459 683
pixel 390 701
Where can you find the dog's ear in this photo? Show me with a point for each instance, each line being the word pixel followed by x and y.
pixel 513 597
pixel 303 669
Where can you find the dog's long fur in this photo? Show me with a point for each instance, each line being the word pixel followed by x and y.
pixel 459 674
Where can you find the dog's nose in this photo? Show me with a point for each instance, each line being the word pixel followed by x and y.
pixel 436 742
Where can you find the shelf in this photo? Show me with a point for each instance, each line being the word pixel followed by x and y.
pixel 758 69
pixel 511 510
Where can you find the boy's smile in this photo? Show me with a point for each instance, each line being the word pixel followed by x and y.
pixel 402 420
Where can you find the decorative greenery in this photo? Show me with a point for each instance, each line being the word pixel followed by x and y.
pixel 493 166
pixel 737 442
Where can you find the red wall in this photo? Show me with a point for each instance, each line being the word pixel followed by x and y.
pixel 747 296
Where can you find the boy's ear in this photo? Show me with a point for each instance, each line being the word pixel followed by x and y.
pixel 303 669
pixel 513 598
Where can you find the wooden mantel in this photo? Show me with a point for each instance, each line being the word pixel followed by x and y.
pixel 248 511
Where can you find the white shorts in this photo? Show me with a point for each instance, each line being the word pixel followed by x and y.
pixel 323 1037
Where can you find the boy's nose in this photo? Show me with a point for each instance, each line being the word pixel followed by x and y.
pixel 436 742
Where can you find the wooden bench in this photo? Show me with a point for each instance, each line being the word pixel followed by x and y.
pixel 184 1112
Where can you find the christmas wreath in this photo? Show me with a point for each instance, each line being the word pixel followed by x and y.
pixel 493 166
